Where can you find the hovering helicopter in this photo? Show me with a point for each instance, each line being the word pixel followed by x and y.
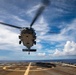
pixel 27 35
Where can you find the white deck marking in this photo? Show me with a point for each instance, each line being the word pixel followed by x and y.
pixel 27 70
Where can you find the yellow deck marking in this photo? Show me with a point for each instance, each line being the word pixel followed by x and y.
pixel 27 70
pixel 4 67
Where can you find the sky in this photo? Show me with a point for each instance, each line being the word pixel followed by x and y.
pixel 59 17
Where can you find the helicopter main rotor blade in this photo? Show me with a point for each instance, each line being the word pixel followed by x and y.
pixel 40 10
pixel 10 25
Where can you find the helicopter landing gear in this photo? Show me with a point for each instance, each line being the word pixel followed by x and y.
pixel 35 42
pixel 29 50
pixel 19 42
pixel 19 37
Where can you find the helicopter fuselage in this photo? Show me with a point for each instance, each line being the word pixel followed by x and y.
pixel 27 37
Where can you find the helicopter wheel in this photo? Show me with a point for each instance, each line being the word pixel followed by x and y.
pixel 19 37
pixel 19 42
pixel 35 42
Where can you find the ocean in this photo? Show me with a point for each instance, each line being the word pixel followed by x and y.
pixel 71 61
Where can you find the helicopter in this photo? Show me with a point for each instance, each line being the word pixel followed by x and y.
pixel 28 35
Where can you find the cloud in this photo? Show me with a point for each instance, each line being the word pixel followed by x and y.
pixel 8 38
pixel 38 47
pixel 69 49
pixel 4 57
pixel 33 9
pixel 67 33
pixel 41 26
pixel 69 29
pixel 41 54
pixel 17 18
